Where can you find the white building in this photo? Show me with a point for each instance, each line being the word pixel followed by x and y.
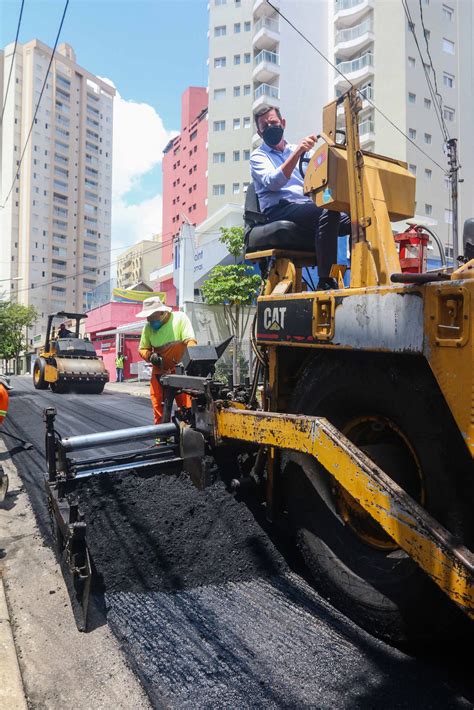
pixel 373 46
pixel 55 226
pixel 256 59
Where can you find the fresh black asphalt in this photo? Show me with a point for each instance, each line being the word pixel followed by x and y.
pixel 210 614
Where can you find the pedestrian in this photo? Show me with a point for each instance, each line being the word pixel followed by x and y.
pixel 119 365
pixel 279 187
pixel 165 337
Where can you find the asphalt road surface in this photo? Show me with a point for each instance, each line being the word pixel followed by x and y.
pixel 210 609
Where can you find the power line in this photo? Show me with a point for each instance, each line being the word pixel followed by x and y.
pixel 13 59
pixel 394 125
pixel 37 105
pixel 438 95
pixel 437 109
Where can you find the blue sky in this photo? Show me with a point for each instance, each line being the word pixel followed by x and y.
pixel 152 50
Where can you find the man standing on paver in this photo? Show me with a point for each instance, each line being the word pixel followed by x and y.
pixel 165 337
pixel 119 365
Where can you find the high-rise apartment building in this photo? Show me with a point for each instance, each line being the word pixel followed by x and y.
pixel 55 226
pixel 184 180
pixel 256 59
pixel 373 46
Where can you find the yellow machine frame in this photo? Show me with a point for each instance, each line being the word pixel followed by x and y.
pixel 433 319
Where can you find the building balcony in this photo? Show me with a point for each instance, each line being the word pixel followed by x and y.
pixel 266 95
pixel 262 8
pixel 266 33
pixel 267 66
pixel 354 39
pixel 350 12
pixel 356 71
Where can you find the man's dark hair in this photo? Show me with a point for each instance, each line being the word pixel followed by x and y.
pixel 263 112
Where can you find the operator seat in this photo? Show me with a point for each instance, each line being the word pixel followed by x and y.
pixel 261 234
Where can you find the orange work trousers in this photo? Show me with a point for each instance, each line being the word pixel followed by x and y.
pixel 156 394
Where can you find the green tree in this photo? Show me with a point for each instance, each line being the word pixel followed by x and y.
pixel 234 286
pixel 15 319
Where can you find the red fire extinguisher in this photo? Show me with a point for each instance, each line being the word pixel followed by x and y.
pixel 413 247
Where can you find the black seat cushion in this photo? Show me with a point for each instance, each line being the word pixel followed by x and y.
pixel 279 235
pixel 262 234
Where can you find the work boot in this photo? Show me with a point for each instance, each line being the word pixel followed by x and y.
pixel 326 283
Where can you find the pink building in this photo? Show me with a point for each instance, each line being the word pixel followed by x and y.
pixel 101 327
pixel 184 178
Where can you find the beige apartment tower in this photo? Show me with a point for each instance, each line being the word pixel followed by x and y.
pixel 136 263
pixel 55 227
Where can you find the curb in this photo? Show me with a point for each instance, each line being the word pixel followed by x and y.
pixel 12 694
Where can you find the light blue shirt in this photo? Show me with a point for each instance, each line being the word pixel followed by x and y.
pixel 271 185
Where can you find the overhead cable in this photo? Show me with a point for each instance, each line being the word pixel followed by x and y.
pixel 17 173
pixel 13 60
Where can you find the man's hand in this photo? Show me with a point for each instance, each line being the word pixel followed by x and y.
pixel 156 360
pixel 306 144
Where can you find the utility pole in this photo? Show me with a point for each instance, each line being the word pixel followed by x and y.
pixel 454 180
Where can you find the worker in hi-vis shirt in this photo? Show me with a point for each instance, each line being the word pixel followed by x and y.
pixel 165 337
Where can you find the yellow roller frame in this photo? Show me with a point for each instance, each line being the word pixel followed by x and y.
pixel 432 547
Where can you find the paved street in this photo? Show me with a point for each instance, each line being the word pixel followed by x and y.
pixel 217 614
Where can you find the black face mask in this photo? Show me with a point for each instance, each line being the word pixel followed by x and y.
pixel 272 135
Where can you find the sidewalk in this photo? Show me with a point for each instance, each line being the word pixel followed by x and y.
pixel 135 388
pixel 12 694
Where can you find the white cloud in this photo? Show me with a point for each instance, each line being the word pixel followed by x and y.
pixel 138 143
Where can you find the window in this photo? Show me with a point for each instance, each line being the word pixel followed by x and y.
pixel 220 31
pixel 236 27
pixel 448 46
pixel 236 58
pixel 447 183
pixel 412 169
pixel 412 134
pixel 246 154
pixel 428 173
pixel 448 113
pixel 236 91
pixel 247 58
pixel 245 186
pixel 218 158
pixel 427 103
pixel 448 13
pixel 236 124
pixel 247 122
pixel 219 126
pixel 235 188
pixel 219 94
pixel 247 26
pixel 220 2
pixel 246 89
pixel 448 80
pixel 428 210
pixel 411 98
pixel 411 62
pixel 448 216
pixel 427 138
pixel 236 155
pixel 238 3
pixel 219 62
pixel 218 190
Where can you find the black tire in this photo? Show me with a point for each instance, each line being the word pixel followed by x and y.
pixel 381 589
pixel 39 382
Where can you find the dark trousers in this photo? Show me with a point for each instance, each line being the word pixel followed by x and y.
pixel 321 226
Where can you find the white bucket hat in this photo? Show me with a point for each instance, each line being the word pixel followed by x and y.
pixel 151 305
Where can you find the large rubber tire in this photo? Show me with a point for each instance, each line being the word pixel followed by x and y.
pixel 39 382
pixel 382 590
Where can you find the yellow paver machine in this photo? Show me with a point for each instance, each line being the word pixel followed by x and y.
pixel 363 436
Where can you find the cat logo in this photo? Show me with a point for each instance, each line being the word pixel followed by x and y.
pixel 274 318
